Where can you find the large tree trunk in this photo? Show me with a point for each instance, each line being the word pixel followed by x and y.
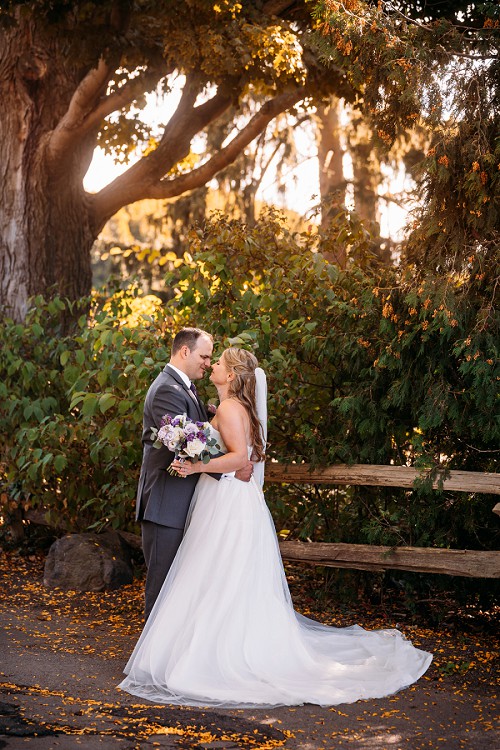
pixel 45 223
pixel 367 178
pixel 332 184
pixel 366 174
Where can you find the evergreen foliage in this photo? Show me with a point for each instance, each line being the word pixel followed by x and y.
pixel 435 65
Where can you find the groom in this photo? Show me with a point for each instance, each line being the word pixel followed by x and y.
pixel 163 500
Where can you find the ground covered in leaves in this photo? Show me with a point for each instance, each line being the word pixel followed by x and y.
pixel 63 651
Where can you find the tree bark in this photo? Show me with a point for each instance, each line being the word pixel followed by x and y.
pixel 45 222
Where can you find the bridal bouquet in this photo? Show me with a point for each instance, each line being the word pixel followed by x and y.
pixel 187 439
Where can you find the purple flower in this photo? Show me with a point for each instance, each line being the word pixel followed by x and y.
pixel 184 437
pixel 196 436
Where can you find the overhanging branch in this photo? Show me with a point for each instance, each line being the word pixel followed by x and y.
pixel 121 98
pixel 199 177
pixel 83 101
pixel 136 183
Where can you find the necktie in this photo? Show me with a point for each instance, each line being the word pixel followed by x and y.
pixel 192 388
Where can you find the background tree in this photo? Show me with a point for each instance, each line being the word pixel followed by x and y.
pixel 74 75
pixel 235 188
pixel 439 68
pixel 142 240
pixel 332 184
pixel 145 239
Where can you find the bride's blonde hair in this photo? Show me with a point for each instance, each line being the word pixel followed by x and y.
pixel 242 364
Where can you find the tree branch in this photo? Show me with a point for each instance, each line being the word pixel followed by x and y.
pixel 121 98
pixel 264 167
pixel 87 93
pixel 89 105
pixel 136 183
pixel 70 129
pixel 84 99
pixel 199 177
pixel 188 120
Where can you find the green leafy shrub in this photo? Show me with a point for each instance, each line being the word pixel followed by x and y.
pixel 364 365
pixel 369 366
pixel 71 413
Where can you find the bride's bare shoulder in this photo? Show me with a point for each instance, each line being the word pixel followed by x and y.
pixel 233 421
pixel 231 406
pixel 231 409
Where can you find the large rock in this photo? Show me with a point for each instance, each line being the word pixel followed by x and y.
pixel 88 562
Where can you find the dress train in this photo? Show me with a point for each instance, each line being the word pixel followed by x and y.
pixel 223 631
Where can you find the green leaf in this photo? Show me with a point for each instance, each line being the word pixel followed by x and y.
pixel 125 406
pixel 77 398
pixel 112 429
pixel 33 471
pixel 80 356
pixel 90 404
pixel 60 463
pixel 138 358
pixel 106 401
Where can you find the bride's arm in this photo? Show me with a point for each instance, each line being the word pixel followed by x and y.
pixel 232 423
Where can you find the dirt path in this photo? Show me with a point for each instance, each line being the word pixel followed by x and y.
pixel 62 655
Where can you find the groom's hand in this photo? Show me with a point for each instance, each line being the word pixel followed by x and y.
pixel 245 474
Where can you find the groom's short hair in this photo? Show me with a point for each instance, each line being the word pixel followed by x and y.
pixel 188 337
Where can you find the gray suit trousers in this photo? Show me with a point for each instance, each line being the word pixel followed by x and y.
pixel 160 545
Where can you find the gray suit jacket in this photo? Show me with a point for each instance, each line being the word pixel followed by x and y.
pixel 162 498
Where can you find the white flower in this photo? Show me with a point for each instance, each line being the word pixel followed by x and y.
pixel 172 438
pixel 194 447
pixel 164 433
pixel 189 428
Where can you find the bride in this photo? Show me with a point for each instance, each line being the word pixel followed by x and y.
pixel 223 631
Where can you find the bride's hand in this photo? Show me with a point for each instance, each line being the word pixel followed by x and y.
pixel 183 468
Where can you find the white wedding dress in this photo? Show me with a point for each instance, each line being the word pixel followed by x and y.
pixel 223 631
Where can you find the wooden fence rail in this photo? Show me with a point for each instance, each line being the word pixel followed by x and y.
pixel 451 562
pixel 380 476
pixel 469 563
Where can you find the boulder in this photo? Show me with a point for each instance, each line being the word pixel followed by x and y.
pixel 88 562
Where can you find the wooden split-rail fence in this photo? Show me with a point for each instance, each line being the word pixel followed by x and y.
pixel 470 563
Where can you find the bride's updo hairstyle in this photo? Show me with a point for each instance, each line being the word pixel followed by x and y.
pixel 242 364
